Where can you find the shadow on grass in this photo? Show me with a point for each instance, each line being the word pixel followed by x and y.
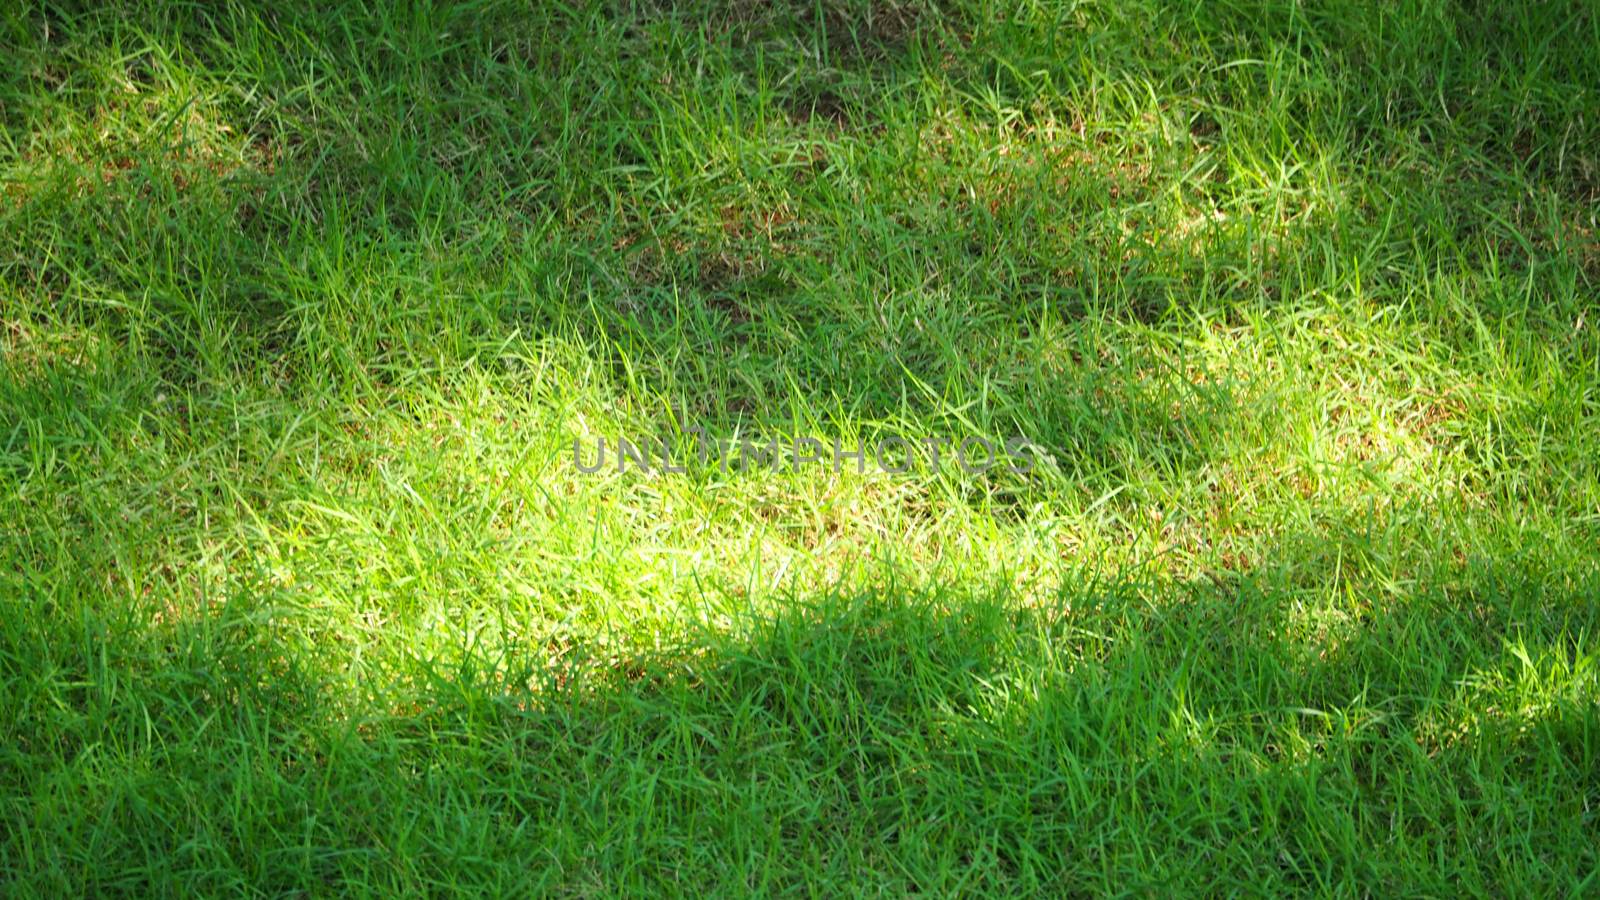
pixel 940 736
pixel 731 262
pixel 900 737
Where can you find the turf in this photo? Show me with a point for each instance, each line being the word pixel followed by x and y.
pixel 303 306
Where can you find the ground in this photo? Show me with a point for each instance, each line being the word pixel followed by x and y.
pixel 304 305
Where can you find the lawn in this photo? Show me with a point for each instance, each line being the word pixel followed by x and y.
pixel 314 314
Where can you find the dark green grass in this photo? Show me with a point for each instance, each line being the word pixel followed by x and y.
pixel 302 306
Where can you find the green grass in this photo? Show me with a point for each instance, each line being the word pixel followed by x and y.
pixel 303 305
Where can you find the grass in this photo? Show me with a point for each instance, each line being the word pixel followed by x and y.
pixel 302 307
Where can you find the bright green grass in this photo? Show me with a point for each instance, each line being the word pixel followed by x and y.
pixel 301 309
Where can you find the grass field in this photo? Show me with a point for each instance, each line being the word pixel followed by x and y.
pixel 303 306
